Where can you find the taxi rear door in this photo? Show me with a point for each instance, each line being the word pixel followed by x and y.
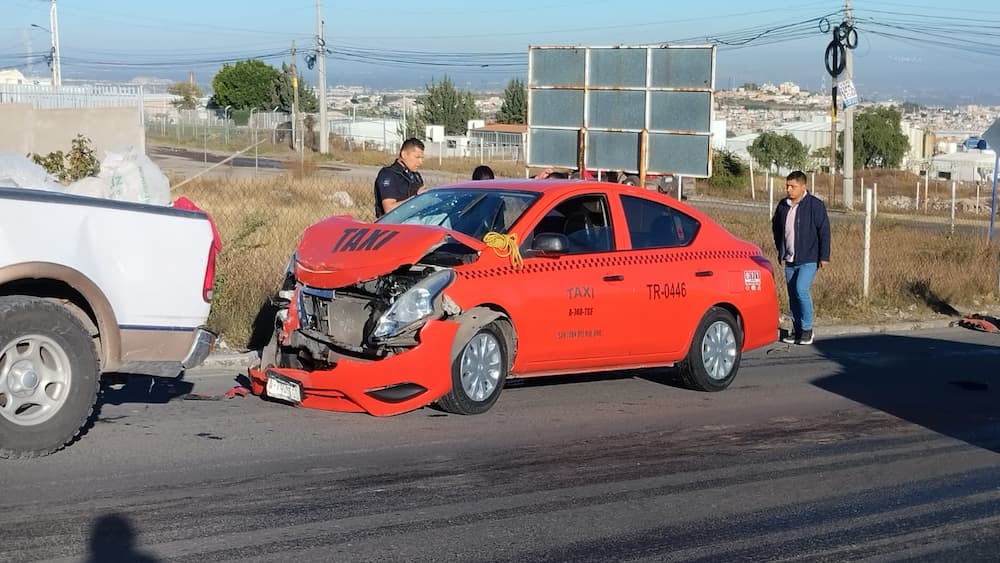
pixel 672 282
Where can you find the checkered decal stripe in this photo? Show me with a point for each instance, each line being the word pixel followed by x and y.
pixel 605 261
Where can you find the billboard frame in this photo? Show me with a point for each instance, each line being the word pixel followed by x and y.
pixel 588 88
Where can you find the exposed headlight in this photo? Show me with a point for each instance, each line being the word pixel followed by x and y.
pixel 414 306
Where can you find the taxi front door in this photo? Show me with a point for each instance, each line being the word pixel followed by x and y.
pixel 578 301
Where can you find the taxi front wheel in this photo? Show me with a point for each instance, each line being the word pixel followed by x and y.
pixel 478 373
pixel 714 357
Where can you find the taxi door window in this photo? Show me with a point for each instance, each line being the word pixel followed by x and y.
pixel 654 225
pixel 584 220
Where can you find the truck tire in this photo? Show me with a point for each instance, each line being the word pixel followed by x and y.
pixel 49 377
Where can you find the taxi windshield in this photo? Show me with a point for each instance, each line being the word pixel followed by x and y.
pixel 472 212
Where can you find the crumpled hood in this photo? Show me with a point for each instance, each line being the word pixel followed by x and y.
pixel 341 251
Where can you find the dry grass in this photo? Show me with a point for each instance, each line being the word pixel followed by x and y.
pixel 915 272
pixel 261 221
pixel 897 192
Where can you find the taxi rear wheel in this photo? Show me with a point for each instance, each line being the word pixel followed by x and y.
pixel 478 373
pixel 716 350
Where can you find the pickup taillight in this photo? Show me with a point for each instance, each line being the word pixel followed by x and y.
pixel 209 283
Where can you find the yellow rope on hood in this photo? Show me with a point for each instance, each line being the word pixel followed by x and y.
pixel 505 245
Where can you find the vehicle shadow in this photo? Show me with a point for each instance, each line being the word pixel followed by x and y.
pixel 120 388
pixel 113 537
pixel 949 387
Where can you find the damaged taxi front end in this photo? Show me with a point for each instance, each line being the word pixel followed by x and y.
pixel 363 321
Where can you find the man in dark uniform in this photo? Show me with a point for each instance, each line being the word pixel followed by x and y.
pixel 400 180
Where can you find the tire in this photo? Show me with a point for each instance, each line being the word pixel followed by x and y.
pixel 631 180
pixel 49 377
pixel 273 355
pixel 716 350
pixel 478 373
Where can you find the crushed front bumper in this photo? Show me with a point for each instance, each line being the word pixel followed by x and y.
pixel 397 384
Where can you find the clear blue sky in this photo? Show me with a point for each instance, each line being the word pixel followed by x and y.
pixel 912 45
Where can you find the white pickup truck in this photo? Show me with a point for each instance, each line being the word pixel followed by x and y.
pixel 91 286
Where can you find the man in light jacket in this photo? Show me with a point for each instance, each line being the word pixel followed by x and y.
pixel 801 229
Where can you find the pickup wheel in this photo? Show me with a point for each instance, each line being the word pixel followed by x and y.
pixel 478 373
pixel 716 350
pixel 49 377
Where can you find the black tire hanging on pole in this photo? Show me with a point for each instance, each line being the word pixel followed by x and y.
pixel 835 58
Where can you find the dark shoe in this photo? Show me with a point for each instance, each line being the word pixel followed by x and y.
pixel 792 338
pixel 805 338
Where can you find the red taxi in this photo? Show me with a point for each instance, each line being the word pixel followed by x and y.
pixel 465 286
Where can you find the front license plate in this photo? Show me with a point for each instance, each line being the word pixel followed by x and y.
pixel 283 388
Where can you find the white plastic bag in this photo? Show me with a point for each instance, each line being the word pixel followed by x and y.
pixel 20 172
pixel 132 176
pixel 127 175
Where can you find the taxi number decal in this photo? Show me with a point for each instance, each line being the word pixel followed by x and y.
pixel 355 240
pixel 567 334
pixel 580 292
pixel 581 311
pixel 667 290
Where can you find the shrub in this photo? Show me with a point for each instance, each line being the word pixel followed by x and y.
pixel 79 163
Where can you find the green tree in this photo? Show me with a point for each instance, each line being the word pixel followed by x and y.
pixel 879 141
pixel 187 93
pixel 445 105
pixel 415 125
pixel 284 96
pixel 772 150
pixel 515 103
pixel 246 84
pixel 728 171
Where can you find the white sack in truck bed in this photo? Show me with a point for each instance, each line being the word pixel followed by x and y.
pixel 127 175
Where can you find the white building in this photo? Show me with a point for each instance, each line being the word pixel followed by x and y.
pixel 813 134
pixel 380 133
pixel 12 76
pixel 964 166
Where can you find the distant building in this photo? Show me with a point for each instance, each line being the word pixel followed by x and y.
pixel 789 89
pixel 12 76
pixel 965 166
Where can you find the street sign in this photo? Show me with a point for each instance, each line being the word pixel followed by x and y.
pixel 992 135
pixel 992 138
pixel 848 94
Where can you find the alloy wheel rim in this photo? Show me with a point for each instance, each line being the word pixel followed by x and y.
pixel 34 379
pixel 481 366
pixel 718 350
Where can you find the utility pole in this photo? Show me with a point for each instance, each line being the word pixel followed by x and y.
pixel 849 122
pixel 324 126
pixel 56 59
pixel 295 97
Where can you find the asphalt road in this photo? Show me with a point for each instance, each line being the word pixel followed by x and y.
pixel 875 447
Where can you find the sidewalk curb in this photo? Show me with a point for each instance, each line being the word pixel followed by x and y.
pixel 847 330
pixel 229 359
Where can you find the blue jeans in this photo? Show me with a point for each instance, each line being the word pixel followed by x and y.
pixel 800 278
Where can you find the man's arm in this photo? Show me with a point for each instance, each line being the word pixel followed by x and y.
pixel 823 233
pixel 392 190
pixel 777 230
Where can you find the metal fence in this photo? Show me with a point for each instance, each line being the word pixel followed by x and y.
pixel 42 96
pixel 496 145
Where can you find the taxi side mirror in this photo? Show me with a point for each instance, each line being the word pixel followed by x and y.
pixel 550 244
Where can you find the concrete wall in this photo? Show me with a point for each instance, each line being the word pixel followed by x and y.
pixel 26 130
